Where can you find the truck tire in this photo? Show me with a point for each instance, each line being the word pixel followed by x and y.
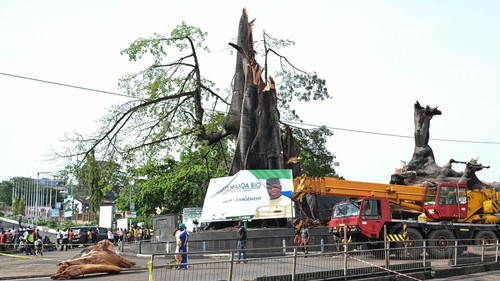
pixel 488 236
pixel 411 247
pixel 441 244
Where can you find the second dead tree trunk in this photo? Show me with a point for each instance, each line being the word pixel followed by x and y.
pixel 423 168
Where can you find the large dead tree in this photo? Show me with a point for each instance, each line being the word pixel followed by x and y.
pixel 169 109
pixel 253 115
pixel 422 166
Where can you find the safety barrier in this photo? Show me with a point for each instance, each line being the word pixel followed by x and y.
pixel 384 258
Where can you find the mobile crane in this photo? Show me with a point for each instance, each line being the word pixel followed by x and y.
pixel 441 212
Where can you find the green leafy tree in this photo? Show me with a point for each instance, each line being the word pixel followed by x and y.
pixel 90 176
pixel 15 206
pixel 170 185
pixel 21 207
pixel 6 192
pixel 315 160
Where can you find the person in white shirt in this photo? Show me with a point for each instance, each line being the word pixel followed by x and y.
pixel 65 235
pixel 111 236
pixel 58 237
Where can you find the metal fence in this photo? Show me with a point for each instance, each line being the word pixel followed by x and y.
pixel 386 258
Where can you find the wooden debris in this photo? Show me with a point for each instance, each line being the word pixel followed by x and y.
pixel 93 259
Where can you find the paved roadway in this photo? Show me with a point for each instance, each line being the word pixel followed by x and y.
pixel 21 267
pixel 18 266
pixel 482 276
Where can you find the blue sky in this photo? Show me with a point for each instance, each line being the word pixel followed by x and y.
pixel 378 58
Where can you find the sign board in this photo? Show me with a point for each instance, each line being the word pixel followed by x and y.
pixel 130 215
pixel 191 218
pixel 245 196
pixel 106 216
pixel 68 207
pixel 54 213
pixel 122 223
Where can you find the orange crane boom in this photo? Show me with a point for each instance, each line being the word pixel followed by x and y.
pixel 406 196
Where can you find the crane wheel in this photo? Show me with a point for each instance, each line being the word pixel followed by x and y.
pixel 441 244
pixel 488 236
pixel 411 247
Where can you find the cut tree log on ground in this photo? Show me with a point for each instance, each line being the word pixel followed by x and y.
pixel 93 259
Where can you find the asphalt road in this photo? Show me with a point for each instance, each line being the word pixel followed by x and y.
pixel 18 266
pixel 482 276
pixel 21 267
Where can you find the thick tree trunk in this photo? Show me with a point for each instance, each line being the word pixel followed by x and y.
pixel 423 168
pixel 423 157
pixel 254 106
pixel 232 121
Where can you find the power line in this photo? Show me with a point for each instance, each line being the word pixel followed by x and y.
pixel 289 122
pixel 66 85
pixel 391 135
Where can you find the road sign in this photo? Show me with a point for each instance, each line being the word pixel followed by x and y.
pixel 130 214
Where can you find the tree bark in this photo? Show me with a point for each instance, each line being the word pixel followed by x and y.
pixel 96 258
pixel 423 168
pixel 258 134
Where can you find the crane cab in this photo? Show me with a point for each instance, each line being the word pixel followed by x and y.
pixel 360 218
pixel 446 201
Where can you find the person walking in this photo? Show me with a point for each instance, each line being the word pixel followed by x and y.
pixel 176 233
pixel 242 242
pixel 30 239
pixel 2 241
pixel 8 239
pixel 119 233
pixel 183 237
pixel 111 236
pixel 16 239
pixel 58 237
pixel 65 235
pixel 71 236
pixel 304 234
pixel 89 237
pixel 39 247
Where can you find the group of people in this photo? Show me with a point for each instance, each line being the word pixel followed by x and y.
pixel 137 233
pixel 181 238
pixel 65 238
pixel 25 240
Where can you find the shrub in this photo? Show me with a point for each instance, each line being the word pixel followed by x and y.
pixel 53 224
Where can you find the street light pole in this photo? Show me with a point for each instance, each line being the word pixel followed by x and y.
pixel 36 193
pixel 130 204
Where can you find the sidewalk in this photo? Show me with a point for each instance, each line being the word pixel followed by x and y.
pixel 18 265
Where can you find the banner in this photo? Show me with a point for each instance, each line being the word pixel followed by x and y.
pixel 250 194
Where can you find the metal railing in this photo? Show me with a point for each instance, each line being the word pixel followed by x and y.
pixel 384 258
